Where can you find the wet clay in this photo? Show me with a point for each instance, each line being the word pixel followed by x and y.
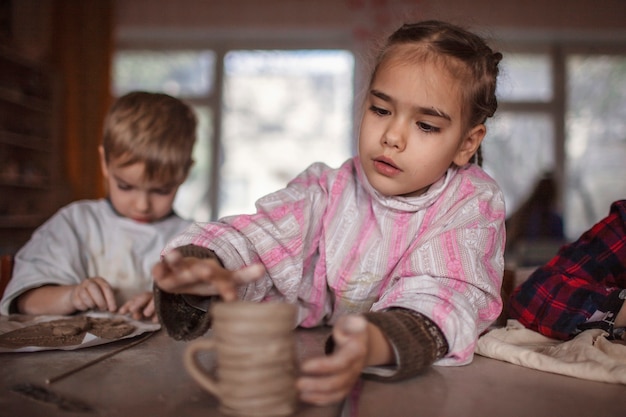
pixel 65 332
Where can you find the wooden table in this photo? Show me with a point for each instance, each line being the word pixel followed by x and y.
pixel 149 380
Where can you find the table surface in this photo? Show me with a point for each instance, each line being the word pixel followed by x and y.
pixel 149 380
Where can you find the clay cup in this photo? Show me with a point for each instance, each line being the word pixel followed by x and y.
pixel 255 367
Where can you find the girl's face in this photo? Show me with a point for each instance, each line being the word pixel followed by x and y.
pixel 412 128
pixel 133 196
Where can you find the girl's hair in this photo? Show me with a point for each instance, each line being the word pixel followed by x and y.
pixel 464 54
pixel 151 128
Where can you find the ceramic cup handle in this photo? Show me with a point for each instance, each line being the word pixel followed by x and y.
pixel 197 372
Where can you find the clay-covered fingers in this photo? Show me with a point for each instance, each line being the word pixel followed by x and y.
pixel 186 275
pixel 173 259
pixel 329 379
pixel 149 311
pixel 164 272
pixel 195 276
pixel 228 288
pixel 94 294
pixel 215 280
pixel 139 307
pixel 189 275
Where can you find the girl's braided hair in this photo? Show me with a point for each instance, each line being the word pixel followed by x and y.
pixel 474 63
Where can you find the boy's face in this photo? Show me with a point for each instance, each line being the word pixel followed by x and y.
pixel 412 129
pixel 134 197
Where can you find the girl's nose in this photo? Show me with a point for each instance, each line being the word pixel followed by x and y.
pixel 394 136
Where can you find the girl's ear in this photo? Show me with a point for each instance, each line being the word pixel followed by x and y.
pixel 103 162
pixel 470 145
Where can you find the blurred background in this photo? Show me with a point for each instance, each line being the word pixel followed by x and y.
pixel 277 85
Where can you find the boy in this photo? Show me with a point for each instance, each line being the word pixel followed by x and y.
pixel 97 254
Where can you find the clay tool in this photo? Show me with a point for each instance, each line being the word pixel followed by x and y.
pixel 65 374
pixel 44 395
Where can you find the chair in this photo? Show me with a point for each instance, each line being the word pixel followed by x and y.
pixel 6 270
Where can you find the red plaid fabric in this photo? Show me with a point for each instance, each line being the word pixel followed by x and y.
pixel 577 282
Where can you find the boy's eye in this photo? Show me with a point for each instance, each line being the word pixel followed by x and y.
pixel 379 111
pixel 427 127
pixel 162 191
pixel 124 187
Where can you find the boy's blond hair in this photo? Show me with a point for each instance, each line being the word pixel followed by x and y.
pixel 151 128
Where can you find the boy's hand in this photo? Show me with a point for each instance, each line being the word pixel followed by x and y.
pixel 188 275
pixel 329 379
pixel 140 307
pixel 93 294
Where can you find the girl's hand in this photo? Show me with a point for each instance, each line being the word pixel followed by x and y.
pixel 189 275
pixel 93 294
pixel 329 379
pixel 140 307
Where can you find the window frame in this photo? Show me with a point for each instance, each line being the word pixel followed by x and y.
pixel 220 45
pixel 557 47
pixel 558 50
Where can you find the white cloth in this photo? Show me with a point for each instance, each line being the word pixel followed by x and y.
pixel 589 355
pixel 88 239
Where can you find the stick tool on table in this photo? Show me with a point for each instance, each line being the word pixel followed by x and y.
pixel 65 374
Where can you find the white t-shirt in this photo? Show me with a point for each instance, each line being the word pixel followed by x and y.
pixel 88 239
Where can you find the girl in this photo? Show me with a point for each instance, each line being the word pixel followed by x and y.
pixel 400 248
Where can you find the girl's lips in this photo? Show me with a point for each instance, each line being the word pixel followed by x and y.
pixel 386 167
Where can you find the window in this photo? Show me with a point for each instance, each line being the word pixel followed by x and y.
pixel 278 112
pixel 282 111
pixel 184 73
pixel 522 144
pixel 526 77
pixel 521 134
pixel 266 114
pixel 564 113
pixel 596 138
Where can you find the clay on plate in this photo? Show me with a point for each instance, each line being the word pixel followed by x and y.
pixel 65 332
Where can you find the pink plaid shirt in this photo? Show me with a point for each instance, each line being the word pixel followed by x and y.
pixel 333 245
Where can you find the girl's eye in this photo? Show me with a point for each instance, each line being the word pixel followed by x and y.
pixel 379 111
pixel 124 187
pixel 427 128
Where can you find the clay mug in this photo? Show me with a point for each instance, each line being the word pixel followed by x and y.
pixel 255 367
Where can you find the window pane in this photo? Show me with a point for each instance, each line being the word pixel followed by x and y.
pixel 282 110
pixel 525 77
pixel 596 139
pixel 192 199
pixel 178 73
pixel 517 151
